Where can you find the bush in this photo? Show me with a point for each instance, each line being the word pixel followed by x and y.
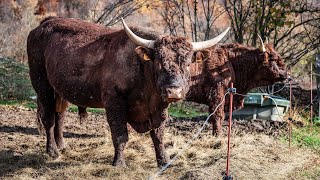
pixel 307 136
pixel 15 82
pixel 316 121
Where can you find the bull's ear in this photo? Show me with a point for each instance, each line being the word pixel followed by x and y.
pixel 144 54
pixel 201 56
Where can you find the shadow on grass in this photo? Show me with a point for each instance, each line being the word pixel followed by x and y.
pixel 11 163
pixel 34 131
pixel 19 129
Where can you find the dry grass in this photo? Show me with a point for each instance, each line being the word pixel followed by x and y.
pixel 90 153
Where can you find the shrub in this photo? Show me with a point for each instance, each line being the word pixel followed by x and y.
pixel 15 83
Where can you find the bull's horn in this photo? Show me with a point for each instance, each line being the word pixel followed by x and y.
pixel 261 47
pixel 136 39
pixel 197 46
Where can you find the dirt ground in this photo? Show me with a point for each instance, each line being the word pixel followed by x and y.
pixel 257 151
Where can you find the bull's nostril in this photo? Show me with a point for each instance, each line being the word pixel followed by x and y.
pixel 174 93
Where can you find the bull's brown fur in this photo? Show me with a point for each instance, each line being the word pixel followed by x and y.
pixel 246 67
pixel 91 66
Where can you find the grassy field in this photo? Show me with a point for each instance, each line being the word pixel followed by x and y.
pixel 308 136
pixel 90 152
pixel 179 110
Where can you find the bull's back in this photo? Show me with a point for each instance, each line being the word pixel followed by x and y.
pixel 71 54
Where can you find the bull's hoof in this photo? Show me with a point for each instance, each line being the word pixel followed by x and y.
pixel 53 152
pixel 41 131
pixel 216 133
pixel 83 117
pixel 61 145
pixel 119 163
pixel 162 163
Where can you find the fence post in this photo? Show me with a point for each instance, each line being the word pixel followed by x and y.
pixel 311 98
pixel 290 113
pixel 231 91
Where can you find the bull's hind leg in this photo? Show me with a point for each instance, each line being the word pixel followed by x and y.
pixel 46 106
pixel 117 119
pixel 61 106
pixel 41 128
pixel 58 132
pixel 47 102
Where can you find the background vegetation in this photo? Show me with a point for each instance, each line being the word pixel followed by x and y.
pixel 292 27
pixel 14 81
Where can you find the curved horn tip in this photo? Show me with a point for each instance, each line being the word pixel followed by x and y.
pixel 261 47
pixel 122 20
pixel 136 39
pixel 197 46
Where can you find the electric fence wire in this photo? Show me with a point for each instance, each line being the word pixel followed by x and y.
pixel 284 86
pixel 188 143
pixel 204 124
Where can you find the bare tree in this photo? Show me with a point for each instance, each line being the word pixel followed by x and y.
pixel 238 13
pixel 190 18
pixel 292 26
pixel 117 9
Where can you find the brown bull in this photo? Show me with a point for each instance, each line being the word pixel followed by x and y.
pixel 133 78
pixel 246 67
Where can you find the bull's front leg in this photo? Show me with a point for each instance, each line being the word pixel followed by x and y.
pixel 157 138
pixel 218 117
pixel 117 120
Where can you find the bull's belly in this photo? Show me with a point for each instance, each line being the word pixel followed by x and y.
pixel 138 112
pixel 143 117
pixel 139 117
pixel 79 93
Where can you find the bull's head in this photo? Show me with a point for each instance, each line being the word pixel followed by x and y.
pixel 273 68
pixel 171 57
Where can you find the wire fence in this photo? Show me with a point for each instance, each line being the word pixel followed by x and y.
pixel 189 142
pixel 267 96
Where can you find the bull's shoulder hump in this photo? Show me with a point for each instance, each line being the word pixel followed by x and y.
pixel 47 19
pixel 74 26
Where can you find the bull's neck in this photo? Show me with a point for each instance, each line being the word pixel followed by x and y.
pixel 245 62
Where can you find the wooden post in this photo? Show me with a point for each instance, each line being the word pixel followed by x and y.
pixel 311 98
pixel 318 80
pixel 290 113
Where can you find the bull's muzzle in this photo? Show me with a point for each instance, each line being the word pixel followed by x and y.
pixel 282 73
pixel 173 94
